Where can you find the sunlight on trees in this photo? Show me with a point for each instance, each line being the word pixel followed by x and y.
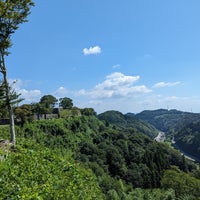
pixel 12 14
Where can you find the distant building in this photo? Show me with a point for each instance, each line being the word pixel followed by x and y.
pixel 4 121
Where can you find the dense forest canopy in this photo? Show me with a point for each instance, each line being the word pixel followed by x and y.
pixel 182 127
pixel 120 160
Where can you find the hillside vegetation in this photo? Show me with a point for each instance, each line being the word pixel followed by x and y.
pixel 128 121
pixel 184 127
pixel 166 120
pixel 82 157
pixel 188 138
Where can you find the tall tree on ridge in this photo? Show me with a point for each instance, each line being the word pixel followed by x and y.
pixel 12 14
pixel 48 102
pixel 66 103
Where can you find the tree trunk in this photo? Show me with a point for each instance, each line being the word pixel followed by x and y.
pixel 12 126
pixel 8 100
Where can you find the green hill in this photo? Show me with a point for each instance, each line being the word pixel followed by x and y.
pixel 83 157
pixel 188 138
pixel 165 120
pixel 183 126
pixel 128 121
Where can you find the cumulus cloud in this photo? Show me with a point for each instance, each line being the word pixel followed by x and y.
pixel 61 92
pixel 166 84
pixel 92 50
pixel 28 95
pixel 116 85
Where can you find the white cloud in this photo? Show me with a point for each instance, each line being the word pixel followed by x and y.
pixel 82 92
pixel 116 85
pixel 166 84
pixel 116 66
pixel 61 92
pixel 29 96
pixel 92 50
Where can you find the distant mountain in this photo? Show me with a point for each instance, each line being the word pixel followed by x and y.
pixel 119 120
pixel 166 120
pixel 109 159
pixel 183 126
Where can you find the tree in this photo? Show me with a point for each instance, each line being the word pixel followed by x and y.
pixel 14 100
pixel 37 109
pixel 48 102
pixel 24 113
pixel 3 111
pixel 88 111
pixel 12 14
pixel 181 182
pixel 65 103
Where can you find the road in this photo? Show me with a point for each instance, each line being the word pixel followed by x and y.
pixel 160 137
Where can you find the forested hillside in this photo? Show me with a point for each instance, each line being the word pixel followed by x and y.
pixel 82 157
pixel 182 126
pixel 188 138
pixel 166 120
pixel 128 121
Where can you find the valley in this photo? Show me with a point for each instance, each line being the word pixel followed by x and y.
pixel 122 156
pixel 181 127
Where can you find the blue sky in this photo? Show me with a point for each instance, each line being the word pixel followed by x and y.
pixel 128 55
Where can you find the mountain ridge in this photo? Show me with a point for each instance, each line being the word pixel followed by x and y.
pixel 183 127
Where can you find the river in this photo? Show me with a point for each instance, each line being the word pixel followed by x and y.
pixel 187 155
pixel 161 138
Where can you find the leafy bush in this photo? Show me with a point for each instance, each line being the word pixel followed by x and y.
pixel 40 173
pixel 182 183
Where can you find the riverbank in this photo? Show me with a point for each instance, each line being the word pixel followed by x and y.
pixel 161 138
pixel 187 155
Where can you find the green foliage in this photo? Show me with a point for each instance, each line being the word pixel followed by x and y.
pixel 132 157
pixel 196 173
pixel 3 110
pixel 14 99
pixel 154 194
pixel 35 172
pixel 4 132
pixel 62 133
pixel 24 113
pixel 165 120
pixel 66 103
pixel 128 121
pixel 181 183
pixel 121 159
pixel 188 138
pixel 182 126
pixel 70 112
pixel 114 149
pixel 47 103
pixel 12 14
pixel 88 111
pixel 37 108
